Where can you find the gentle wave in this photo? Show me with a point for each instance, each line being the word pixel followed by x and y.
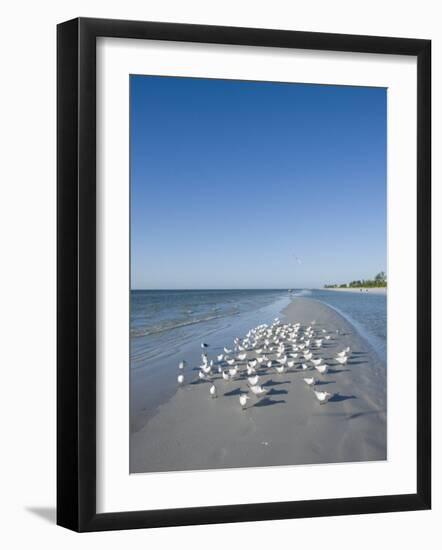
pixel 146 332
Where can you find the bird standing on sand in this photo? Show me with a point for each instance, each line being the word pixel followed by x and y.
pixel 322 396
pixel 316 362
pixel 182 365
pixel 180 379
pixel 213 391
pixel 258 390
pixel 322 369
pixel 204 345
pixel 309 381
pixel 253 380
pixel 202 375
pixel 341 360
pixel 243 398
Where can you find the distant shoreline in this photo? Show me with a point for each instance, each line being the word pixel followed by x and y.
pixel 360 289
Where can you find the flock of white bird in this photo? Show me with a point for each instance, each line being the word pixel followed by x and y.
pixel 275 348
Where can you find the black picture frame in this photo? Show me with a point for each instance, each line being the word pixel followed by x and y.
pixel 76 273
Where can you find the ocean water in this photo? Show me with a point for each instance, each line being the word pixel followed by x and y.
pixel 366 311
pixel 164 321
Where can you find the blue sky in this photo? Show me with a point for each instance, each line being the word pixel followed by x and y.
pixel 240 184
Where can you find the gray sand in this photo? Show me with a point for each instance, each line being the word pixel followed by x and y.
pixel 192 431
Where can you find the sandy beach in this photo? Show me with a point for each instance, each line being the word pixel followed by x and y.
pixel 192 431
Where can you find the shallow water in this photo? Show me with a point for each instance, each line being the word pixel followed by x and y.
pixel 366 311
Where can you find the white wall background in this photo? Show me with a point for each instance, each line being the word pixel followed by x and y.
pixel 27 285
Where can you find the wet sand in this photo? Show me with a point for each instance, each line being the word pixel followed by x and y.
pixel 193 431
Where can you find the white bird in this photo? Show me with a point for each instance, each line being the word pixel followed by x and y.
pixel 202 375
pixel 220 369
pixel 242 356
pixel 316 362
pixel 328 337
pixel 294 355
pixel 250 370
pixel 233 372
pixel 341 360
pixel 258 390
pixel 318 343
pixel 180 379
pixel 243 398
pixel 324 331
pixel 226 376
pixel 253 380
pixel 309 381
pixel 213 390
pixel 283 360
pixel 259 351
pixel 342 353
pixel 322 368
pixel 204 358
pixel 308 356
pixel 322 396
pixel 304 366
pixel 227 350
pixel 204 345
pixel 290 364
pixel 207 369
pixel 280 370
pixel 220 357
pixel 347 349
pixel 261 359
pixel 269 363
pixel 182 365
pixel 253 363
pixel 230 362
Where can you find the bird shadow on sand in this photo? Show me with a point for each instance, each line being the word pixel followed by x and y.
pixel 337 371
pixel 337 397
pixel 277 392
pixel 231 393
pixel 275 383
pixel 323 382
pixel 357 362
pixel 266 402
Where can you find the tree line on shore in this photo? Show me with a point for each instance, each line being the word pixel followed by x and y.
pixel 379 281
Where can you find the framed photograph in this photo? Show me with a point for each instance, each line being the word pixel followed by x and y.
pixel 243 274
